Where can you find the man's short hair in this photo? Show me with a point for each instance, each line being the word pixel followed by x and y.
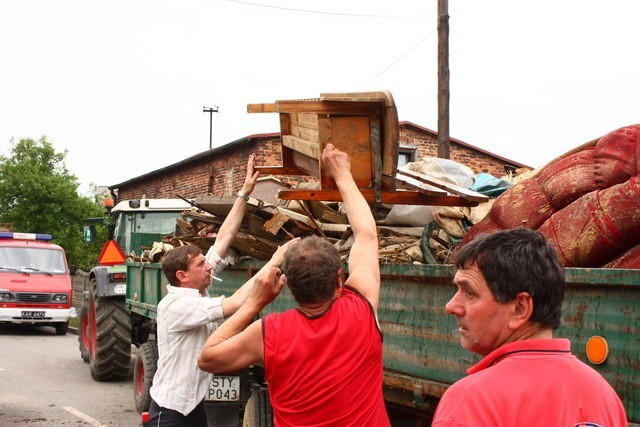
pixel 311 267
pixel 178 259
pixel 519 260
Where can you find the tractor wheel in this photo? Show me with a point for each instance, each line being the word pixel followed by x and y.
pixel 110 332
pixel 258 412
pixel 83 332
pixel 143 371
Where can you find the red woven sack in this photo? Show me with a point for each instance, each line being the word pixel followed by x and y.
pixel 525 204
pixel 617 156
pixel 569 178
pixel 598 227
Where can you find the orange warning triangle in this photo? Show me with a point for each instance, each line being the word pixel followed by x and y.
pixel 111 254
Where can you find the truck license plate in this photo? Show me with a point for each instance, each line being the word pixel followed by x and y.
pixel 120 289
pixel 33 314
pixel 224 388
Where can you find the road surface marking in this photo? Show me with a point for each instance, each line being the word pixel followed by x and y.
pixel 86 418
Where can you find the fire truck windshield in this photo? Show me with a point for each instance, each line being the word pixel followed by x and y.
pixel 33 260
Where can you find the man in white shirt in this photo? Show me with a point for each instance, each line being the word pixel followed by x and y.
pixel 187 316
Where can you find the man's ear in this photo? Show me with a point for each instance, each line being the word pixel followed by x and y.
pixel 181 275
pixel 522 310
pixel 339 283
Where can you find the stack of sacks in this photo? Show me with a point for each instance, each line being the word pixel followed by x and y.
pixel 587 203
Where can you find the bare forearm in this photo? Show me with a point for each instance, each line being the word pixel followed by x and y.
pixel 358 210
pixel 230 227
pixel 233 325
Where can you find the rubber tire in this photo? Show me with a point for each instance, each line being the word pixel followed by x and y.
pixel 84 340
pixel 61 327
pixel 110 332
pixel 144 369
pixel 258 411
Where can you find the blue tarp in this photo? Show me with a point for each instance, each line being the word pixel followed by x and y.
pixel 489 185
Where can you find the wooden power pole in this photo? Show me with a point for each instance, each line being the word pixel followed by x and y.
pixel 444 144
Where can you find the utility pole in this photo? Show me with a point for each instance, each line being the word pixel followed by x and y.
pixel 210 110
pixel 444 144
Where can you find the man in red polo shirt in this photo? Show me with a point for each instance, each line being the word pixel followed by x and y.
pixel 509 300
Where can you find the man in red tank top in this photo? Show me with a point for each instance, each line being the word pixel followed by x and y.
pixel 323 359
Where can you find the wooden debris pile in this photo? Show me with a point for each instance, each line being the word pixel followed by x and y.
pixel 266 226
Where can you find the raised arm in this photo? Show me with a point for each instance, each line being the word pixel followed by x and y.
pixel 364 271
pixel 230 305
pixel 234 345
pixel 233 221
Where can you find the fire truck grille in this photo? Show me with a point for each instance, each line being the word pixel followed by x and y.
pixel 30 297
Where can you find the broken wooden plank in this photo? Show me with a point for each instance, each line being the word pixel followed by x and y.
pixel 400 197
pixel 451 188
pixel 276 222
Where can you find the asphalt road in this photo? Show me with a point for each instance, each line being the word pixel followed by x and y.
pixel 44 382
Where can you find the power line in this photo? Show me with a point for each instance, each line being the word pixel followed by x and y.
pixel 399 59
pixel 129 54
pixel 319 12
pixel 115 67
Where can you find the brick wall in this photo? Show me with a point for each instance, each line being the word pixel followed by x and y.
pixel 426 144
pixel 222 171
pixel 221 174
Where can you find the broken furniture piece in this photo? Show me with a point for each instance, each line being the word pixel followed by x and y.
pixel 365 126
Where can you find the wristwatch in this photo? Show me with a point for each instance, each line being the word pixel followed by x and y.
pixel 243 196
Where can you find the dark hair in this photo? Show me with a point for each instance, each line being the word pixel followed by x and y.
pixel 519 260
pixel 178 259
pixel 311 267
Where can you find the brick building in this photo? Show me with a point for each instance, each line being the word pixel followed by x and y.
pixel 221 171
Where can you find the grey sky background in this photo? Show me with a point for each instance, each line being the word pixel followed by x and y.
pixel 121 84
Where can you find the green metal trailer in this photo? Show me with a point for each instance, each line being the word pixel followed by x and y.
pixel 422 354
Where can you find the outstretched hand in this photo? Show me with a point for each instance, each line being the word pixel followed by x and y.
pixel 251 177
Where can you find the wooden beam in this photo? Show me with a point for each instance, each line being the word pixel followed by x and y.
pixel 451 188
pixel 261 108
pixel 395 197
pixel 300 145
pixel 279 170
pixel 327 107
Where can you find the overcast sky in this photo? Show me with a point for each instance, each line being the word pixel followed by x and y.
pixel 121 85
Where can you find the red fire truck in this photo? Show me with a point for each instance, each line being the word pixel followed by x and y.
pixel 35 282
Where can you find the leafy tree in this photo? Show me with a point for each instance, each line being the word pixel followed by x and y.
pixel 39 195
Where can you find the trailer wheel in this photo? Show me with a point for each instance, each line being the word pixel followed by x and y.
pixel 258 412
pixel 61 327
pixel 110 333
pixel 83 332
pixel 144 369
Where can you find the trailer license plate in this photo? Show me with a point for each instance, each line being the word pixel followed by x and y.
pixel 224 388
pixel 33 314
pixel 120 289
